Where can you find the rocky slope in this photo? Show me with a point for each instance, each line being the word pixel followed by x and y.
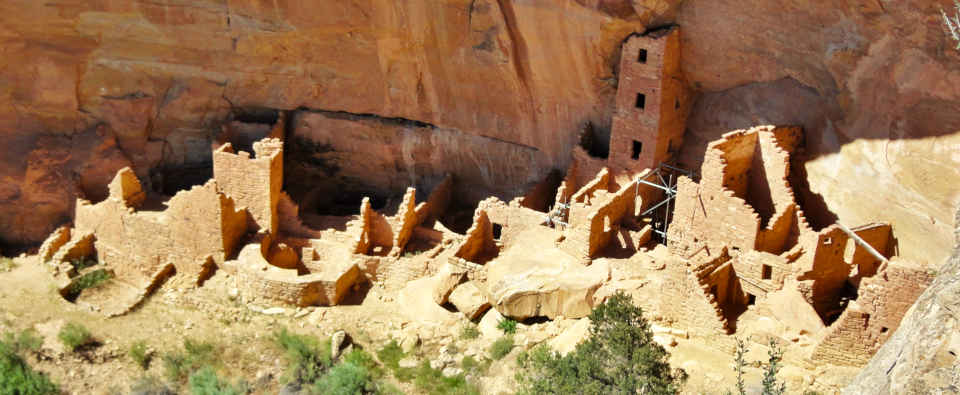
pixel 87 87
pixel 921 357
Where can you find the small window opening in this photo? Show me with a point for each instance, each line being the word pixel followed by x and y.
pixel 637 148
pixel 676 104
pixel 751 299
pixel 767 272
pixel 497 231
pixel 641 101
pixel 714 290
pixel 827 241
pixel 884 329
pixel 642 56
pixel 607 226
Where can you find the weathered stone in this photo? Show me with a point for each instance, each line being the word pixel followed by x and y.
pixel 446 280
pixel 336 344
pixel 469 300
pixel 522 288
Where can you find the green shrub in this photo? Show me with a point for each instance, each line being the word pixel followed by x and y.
pixel 501 347
pixel 179 365
pixel 139 354
pixel 83 263
pixel 739 363
pixel 74 336
pixel 469 332
pixel 471 365
pixel 90 280
pixel 391 354
pixel 307 357
pixel 206 382
pixel 26 340
pixel 364 360
pixel 619 356
pixel 345 379
pixel 771 386
pixel 508 326
pixel 425 378
pixel 16 376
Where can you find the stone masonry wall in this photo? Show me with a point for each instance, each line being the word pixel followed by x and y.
pixel 479 240
pixel 649 102
pixel 254 183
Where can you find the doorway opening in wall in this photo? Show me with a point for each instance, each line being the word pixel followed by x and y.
pixel 641 101
pixel 751 299
pixel 637 148
pixel 642 56
pixel 497 231
pixel 766 272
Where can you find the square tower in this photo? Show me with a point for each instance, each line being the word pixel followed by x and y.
pixel 649 119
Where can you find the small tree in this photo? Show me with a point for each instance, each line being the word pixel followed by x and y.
pixel 619 357
pixel 953 23
pixel 770 384
pixel 740 362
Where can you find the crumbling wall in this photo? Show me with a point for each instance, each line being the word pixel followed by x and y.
pixel 868 322
pixel 199 224
pixel 478 246
pixel 823 272
pixel 707 219
pixel 404 222
pixel 254 183
pixel 761 272
pixel 743 199
pixel 260 282
pixel 376 235
pixel 601 182
pixel 688 302
pixel 605 219
pixel 878 236
pixel 512 218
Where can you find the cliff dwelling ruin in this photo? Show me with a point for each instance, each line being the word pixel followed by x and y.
pixel 716 251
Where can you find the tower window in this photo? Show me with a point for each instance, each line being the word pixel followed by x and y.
pixel 637 147
pixel 641 101
pixel 642 57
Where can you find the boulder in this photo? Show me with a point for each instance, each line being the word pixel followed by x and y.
pixel 488 324
pixel 445 281
pixel 527 287
pixel 469 300
pixel 416 303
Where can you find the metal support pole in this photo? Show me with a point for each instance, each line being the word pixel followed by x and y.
pixel 863 244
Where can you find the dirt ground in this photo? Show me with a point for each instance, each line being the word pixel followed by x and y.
pixel 28 299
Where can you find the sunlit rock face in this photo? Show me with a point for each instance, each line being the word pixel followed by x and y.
pixel 87 88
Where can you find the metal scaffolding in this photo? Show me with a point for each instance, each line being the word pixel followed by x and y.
pixel 666 177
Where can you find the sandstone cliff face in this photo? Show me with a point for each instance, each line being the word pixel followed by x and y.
pixel 921 356
pixel 88 87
